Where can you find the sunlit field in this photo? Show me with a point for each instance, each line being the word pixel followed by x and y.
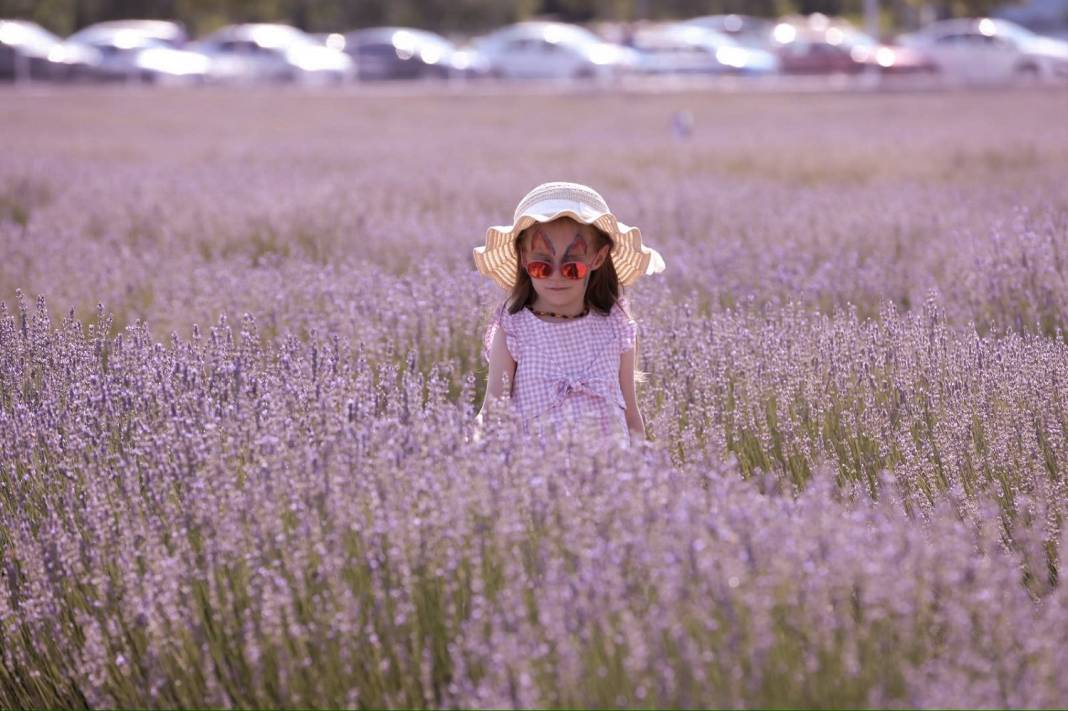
pixel 240 361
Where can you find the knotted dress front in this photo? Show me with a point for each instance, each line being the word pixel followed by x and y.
pixel 567 372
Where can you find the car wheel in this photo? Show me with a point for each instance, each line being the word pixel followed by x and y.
pixel 432 72
pixel 1026 73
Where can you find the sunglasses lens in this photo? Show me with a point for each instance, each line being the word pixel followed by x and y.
pixel 574 270
pixel 539 270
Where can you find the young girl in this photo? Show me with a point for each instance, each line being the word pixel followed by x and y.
pixel 563 346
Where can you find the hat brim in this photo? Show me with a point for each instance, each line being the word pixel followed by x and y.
pixel 497 258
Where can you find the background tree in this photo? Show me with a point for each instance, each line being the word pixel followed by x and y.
pixel 451 16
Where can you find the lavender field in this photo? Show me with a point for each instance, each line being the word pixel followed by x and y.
pixel 240 361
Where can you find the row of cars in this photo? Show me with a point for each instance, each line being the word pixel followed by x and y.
pixel 159 51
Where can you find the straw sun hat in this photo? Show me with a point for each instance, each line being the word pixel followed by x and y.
pixel 497 258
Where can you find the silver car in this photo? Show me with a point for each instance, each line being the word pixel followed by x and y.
pixel 142 51
pixel 683 48
pixel 260 52
pixel 553 50
pixel 988 49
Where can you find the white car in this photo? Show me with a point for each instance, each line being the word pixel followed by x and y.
pixel 29 51
pixel 552 50
pixel 276 53
pixel 685 48
pixel 134 53
pixel 989 50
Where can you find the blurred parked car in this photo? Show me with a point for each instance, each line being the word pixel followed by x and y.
pixel 553 50
pixel 820 45
pixel 684 48
pixel 746 30
pixel 29 51
pixel 275 53
pixel 987 49
pixel 333 40
pixel 408 53
pixel 171 34
pixel 131 52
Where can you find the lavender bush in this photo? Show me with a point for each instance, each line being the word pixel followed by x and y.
pixel 854 494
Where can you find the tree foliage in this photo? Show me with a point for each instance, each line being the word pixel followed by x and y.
pixel 450 16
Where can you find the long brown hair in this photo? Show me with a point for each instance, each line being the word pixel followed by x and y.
pixel 602 291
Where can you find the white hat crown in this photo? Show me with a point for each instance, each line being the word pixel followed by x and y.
pixel 560 192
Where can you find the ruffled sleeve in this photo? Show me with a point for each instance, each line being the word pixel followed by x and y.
pixel 506 322
pixel 626 327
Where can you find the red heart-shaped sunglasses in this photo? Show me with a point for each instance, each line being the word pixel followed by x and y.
pixel 538 269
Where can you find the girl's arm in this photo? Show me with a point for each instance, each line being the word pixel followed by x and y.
pixel 627 362
pixel 501 372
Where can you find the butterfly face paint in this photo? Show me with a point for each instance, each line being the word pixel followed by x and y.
pixel 577 249
pixel 541 244
pixel 572 267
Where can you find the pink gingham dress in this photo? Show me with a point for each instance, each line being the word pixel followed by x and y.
pixel 567 372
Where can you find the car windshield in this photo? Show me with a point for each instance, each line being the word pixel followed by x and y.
pixel 853 38
pixel 270 36
pixel 409 38
pixel 432 39
pixel 126 40
pixel 554 34
pixel 684 37
pixel 1012 30
pixel 118 38
pixel 717 39
pixel 659 43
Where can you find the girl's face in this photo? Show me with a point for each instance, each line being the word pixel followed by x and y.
pixel 559 242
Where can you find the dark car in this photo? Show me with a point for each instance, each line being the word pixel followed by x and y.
pixel 29 51
pixel 817 45
pixel 407 53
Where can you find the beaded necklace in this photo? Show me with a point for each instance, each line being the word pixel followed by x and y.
pixel 555 315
